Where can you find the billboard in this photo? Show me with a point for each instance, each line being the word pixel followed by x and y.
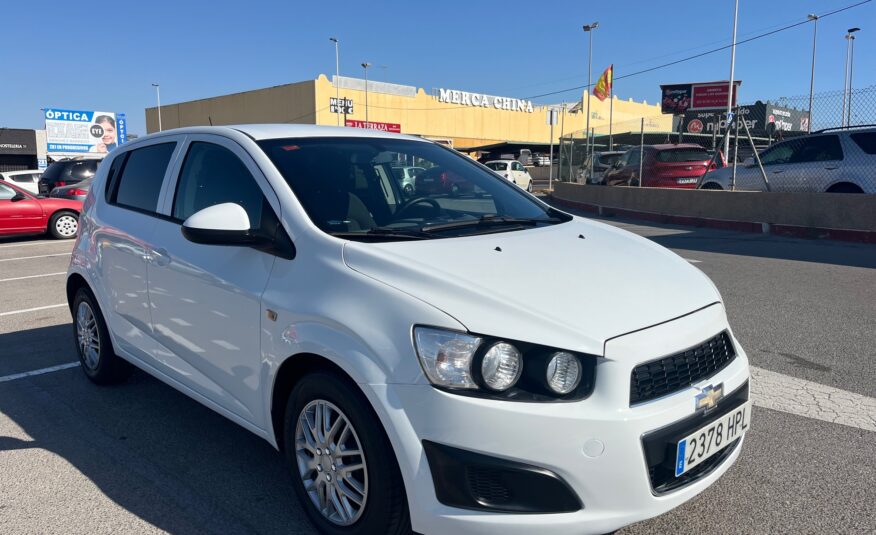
pixel 678 98
pixel 77 132
pixel 763 119
pixel 383 127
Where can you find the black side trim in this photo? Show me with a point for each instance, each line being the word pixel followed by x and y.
pixel 470 480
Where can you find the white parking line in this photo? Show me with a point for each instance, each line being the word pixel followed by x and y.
pixel 32 257
pixel 11 312
pixel 785 393
pixel 34 276
pixel 50 369
pixel 32 243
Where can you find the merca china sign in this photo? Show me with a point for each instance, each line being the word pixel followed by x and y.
pixel 463 98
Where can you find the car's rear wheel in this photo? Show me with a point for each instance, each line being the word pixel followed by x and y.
pixel 63 225
pixel 96 355
pixel 345 472
pixel 529 186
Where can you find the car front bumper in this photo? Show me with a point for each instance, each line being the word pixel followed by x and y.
pixel 595 445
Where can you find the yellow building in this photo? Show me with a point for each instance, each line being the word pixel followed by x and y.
pixel 465 120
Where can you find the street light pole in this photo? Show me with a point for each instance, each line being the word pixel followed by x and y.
pixel 732 74
pixel 813 18
pixel 365 66
pixel 158 97
pixel 589 29
pixel 851 38
pixel 337 78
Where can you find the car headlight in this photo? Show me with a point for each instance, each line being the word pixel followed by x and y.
pixel 446 356
pixel 484 366
pixel 563 372
pixel 501 366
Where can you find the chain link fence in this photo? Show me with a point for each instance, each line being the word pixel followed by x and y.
pixel 774 145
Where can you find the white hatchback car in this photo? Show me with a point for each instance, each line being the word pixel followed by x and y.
pixel 28 180
pixel 391 347
pixel 513 171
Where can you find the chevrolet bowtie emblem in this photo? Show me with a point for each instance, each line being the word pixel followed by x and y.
pixel 709 396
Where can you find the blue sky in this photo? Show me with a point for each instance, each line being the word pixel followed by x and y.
pixel 104 56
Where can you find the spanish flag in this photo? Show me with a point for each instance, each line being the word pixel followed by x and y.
pixel 603 86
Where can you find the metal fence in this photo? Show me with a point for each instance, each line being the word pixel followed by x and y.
pixel 767 146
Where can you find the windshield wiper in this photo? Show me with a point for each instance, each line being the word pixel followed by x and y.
pixel 385 232
pixel 490 221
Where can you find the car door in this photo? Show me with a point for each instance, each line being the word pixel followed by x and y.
pixel 518 172
pixel 775 161
pixel 19 215
pixel 815 164
pixel 206 299
pixel 123 230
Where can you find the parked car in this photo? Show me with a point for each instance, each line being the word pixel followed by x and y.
pixel 66 172
pixel 22 212
pixel 387 345
pixel 540 159
pixel 677 165
pixel 26 180
pixel 513 171
pixel 832 161
pixel 436 180
pixel 76 191
pixel 406 177
pixel 602 161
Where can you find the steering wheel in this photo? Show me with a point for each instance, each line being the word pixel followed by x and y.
pixel 418 200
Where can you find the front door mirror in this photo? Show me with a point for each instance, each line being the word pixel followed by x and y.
pixel 18 197
pixel 220 224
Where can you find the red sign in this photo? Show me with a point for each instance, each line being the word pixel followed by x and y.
pixel 695 126
pixel 711 96
pixel 383 127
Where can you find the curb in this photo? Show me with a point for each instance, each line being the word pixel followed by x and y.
pixel 793 231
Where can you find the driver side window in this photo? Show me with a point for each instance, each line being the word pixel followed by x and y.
pixel 6 193
pixel 779 154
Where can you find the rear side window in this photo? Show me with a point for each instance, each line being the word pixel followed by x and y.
pixel 53 171
pixel 609 159
pixel 818 149
pixel 683 155
pixel 865 140
pixel 141 178
pixel 497 166
pixel 214 175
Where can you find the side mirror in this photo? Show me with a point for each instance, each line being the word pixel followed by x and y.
pixel 18 197
pixel 220 224
pixel 748 162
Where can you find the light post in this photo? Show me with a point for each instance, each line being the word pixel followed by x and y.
pixel 813 18
pixel 337 77
pixel 850 60
pixel 589 29
pixel 732 74
pixel 365 66
pixel 158 97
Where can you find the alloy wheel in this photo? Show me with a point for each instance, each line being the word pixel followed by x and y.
pixel 331 462
pixel 87 335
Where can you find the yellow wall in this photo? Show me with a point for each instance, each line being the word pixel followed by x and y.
pixel 467 126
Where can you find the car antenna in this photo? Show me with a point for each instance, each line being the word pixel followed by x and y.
pixel 210 119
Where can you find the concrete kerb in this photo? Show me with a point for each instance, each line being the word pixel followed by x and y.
pixel 844 217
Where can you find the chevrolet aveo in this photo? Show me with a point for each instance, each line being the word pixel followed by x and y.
pixel 445 362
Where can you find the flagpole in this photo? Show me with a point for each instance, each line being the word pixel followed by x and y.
pixel 611 110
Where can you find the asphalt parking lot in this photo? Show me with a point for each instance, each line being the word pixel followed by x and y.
pixel 142 458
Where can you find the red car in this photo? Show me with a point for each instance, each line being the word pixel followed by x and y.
pixel 663 166
pixel 23 213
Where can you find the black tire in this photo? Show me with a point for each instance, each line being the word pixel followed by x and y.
pixel 529 186
pixel 107 368
pixel 385 509
pixel 844 187
pixel 711 185
pixel 64 225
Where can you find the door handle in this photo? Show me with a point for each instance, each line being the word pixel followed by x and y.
pixel 158 257
pixel 832 168
pixel 778 171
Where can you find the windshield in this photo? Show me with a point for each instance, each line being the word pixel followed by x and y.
pixel 349 188
pixel 683 155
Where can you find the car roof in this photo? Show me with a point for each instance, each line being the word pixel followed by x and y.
pixel 500 161
pixel 279 131
pixel 665 146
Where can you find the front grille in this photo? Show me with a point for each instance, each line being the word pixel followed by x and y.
pixel 663 476
pixel 677 372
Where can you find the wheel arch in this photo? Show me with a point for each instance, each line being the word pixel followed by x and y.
pixel 75 281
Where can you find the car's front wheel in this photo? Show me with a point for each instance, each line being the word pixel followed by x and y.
pixel 529 186
pixel 345 472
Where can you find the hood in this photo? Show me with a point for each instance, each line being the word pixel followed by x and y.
pixel 543 285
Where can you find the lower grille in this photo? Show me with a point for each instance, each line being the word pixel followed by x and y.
pixel 663 479
pixel 677 372
pixel 487 485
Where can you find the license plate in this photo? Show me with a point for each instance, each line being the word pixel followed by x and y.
pixel 709 440
pixel 686 180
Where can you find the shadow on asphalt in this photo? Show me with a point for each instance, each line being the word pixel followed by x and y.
pixel 150 449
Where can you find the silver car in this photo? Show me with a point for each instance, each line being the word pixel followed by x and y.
pixel 832 161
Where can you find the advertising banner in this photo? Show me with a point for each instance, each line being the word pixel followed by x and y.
pixel 75 132
pixel 711 96
pixel 383 127
pixel 678 98
pixel 764 119
pixel 675 99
